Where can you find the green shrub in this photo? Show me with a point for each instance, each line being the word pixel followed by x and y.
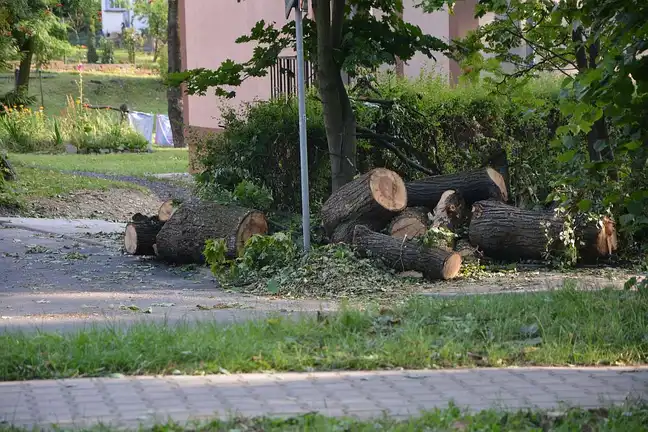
pixel 93 57
pixel 107 48
pixel 261 144
pixel 92 131
pixel 449 129
pixel 25 131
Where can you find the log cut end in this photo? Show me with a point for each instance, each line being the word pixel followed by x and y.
pixel 253 223
pixel 407 228
pixel 410 223
pixel 451 266
pixel 130 239
pixel 388 189
pixel 499 181
pixel 605 242
pixel 166 210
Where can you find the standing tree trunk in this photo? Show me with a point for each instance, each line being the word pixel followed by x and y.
pixel 27 54
pixel 174 94
pixel 339 118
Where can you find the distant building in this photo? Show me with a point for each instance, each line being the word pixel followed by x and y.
pixel 115 17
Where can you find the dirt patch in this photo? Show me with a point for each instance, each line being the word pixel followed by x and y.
pixel 115 205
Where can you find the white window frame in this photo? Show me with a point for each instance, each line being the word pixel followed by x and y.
pixel 110 8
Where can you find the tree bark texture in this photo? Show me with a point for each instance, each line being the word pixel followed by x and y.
pixel 412 222
pixel 339 118
pixel 183 237
pixel 140 236
pixel 174 94
pixel 505 232
pixel 450 212
pixel 473 186
pixel 27 54
pixel 6 169
pixel 375 196
pixel 404 255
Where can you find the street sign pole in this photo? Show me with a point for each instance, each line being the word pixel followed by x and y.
pixel 301 95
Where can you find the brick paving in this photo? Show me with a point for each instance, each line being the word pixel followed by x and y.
pixel 134 401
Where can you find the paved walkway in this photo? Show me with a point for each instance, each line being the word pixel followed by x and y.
pixel 132 401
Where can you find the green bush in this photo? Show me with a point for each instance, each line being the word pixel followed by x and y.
pixel 25 131
pixel 450 129
pixel 93 57
pixel 261 144
pixel 107 48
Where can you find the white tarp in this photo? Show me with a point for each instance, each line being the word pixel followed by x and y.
pixel 163 135
pixel 142 123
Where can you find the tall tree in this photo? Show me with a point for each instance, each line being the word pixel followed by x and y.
pixel 174 93
pixel 35 32
pixel 156 14
pixel 599 47
pixel 344 36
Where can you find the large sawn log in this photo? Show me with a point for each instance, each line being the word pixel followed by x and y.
pixel 182 239
pixel 166 210
pixel 404 255
pixel 482 184
pixel 372 199
pixel 140 235
pixel 412 222
pixel 505 232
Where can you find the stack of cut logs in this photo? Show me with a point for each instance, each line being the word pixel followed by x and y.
pixel 381 216
pixel 177 234
pixel 475 201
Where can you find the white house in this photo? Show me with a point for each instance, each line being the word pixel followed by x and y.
pixel 116 14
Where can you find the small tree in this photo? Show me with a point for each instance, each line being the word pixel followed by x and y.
pixel 156 13
pixel 132 40
pixel 93 57
pixel 344 36
pixel 34 31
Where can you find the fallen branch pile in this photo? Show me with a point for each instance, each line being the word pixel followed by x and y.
pixel 433 224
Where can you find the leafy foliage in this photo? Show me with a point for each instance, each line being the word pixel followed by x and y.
pixel 259 145
pixel 93 57
pixel 156 14
pixel 602 147
pixel 274 265
pixel 107 48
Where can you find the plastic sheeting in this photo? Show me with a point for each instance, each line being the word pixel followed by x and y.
pixel 142 123
pixel 163 135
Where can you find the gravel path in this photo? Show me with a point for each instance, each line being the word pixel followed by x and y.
pixel 164 190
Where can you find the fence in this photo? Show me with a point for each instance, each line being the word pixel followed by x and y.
pixel 283 77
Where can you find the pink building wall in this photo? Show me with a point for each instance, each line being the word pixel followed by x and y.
pixel 209 28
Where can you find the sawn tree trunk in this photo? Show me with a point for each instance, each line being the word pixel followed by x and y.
pixel 407 255
pixel 182 239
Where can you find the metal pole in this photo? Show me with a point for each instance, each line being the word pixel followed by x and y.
pixel 303 150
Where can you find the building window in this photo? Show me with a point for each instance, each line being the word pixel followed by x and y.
pixel 115 5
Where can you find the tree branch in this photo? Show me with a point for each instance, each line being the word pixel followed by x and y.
pixel 384 141
pixel 337 22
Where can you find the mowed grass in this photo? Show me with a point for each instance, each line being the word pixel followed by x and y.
pixel 618 419
pixel 565 327
pixel 39 183
pixel 132 164
pixel 140 93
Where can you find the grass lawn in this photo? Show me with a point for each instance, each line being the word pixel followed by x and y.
pixel 38 183
pixel 621 419
pixel 145 94
pixel 135 164
pixel 564 327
